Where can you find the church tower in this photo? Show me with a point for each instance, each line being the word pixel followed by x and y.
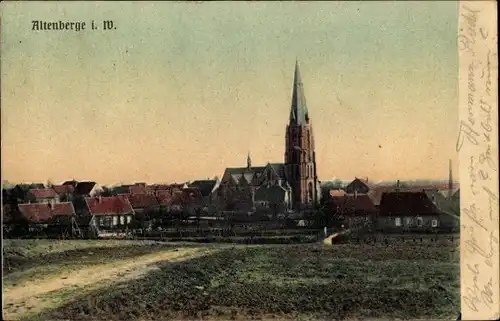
pixel 300 157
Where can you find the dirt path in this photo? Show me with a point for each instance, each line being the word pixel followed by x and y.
pixel 31 298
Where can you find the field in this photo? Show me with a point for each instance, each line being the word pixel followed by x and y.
pixel 145 280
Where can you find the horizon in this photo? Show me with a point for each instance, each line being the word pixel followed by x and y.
pixel 171 98
pixel 433 181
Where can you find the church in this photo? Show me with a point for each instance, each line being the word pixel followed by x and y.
pixel 292 185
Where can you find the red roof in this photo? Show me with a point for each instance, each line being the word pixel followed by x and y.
pixel 143 200
pixel 42 212
pixel 164 197
pixel 43 192
pixel 63 209
pixel 109 205
pixel 139 189
pixel 63 189
pixel 190 195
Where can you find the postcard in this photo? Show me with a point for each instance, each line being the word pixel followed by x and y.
pixel 249 160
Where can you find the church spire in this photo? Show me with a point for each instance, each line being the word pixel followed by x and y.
pixel 249 161
pixel 298 111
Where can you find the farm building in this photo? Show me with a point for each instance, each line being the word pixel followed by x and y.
pixel 411 211
pixel 108 213
pixel 355 210
pixel 53 216
pixel 143 202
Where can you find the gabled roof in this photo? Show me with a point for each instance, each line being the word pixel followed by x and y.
pixel 141 201
pixel 443 203
pixel 40 212
pixel 35 212
pixel 279 169
pixel 63 189
pixel 204 186
pixel 357 180
pixel 236 173
pixel 72 183
pixel 63 209
pixel 112 205
pixel 84 188
pixel 40 193
pixel 407 204
pixel 353 204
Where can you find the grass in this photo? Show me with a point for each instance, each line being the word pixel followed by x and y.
pixel 284 282
pixel 29 260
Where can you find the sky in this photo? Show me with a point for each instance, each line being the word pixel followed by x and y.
pixel 180 91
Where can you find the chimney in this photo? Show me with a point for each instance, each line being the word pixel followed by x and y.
pixel 99 199
pixel 355 193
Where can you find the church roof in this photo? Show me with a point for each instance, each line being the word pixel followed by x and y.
pixel 299 114
pixel 238 172
pixel 279 168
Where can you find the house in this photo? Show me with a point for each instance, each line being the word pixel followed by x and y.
pixel 360 186
pixel 107 213
pixel 20 191
pixel 64 191
pixel 353 210
pixel 39 213
pixel 87 189
pixel 410 211
pixel 140 188
pixel 376 192
pixel 206 188
pixel 188 199
pixel 143 202
pixel 55 216
pixel 42 195
pixel 164 197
